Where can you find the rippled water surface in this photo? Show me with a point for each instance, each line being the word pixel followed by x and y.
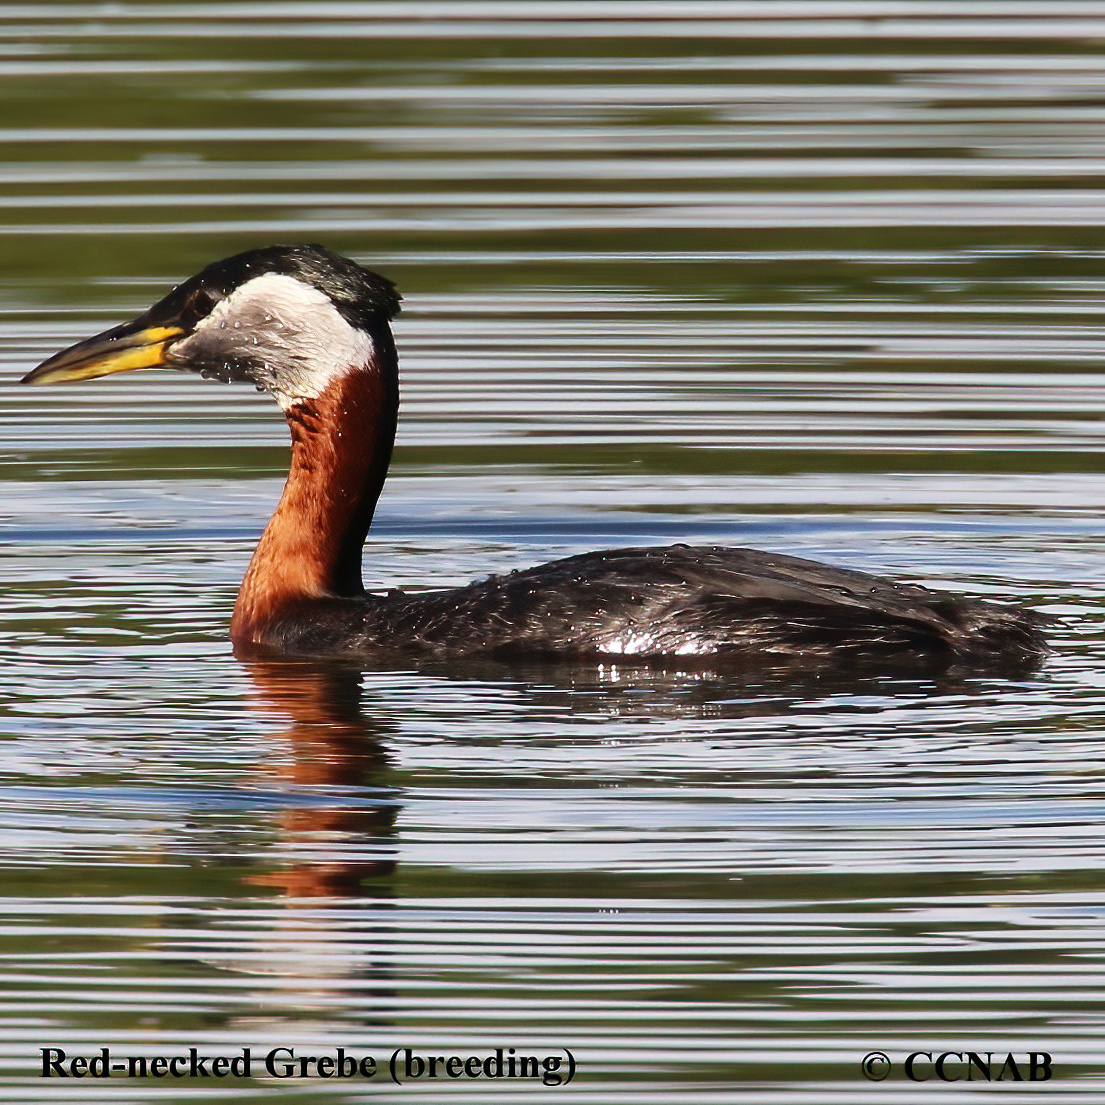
pixel 822 278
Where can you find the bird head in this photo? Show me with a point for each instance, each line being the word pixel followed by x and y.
pixel 287 319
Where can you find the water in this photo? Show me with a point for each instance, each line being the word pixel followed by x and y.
pixel 820 278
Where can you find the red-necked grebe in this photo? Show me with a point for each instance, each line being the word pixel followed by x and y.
pixel 312 329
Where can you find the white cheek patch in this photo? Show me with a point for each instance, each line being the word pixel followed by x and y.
pixel 291 332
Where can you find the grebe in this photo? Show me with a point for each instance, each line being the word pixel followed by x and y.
pixel 312 328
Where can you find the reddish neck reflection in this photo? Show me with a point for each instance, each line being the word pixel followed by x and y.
pixel 330 749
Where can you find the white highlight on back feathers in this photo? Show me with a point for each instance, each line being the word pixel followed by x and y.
pixel 644 644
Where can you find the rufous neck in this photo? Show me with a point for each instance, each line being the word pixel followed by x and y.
pixel 312 546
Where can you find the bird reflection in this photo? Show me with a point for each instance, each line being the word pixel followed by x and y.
pixel 341 829
pixel 699 693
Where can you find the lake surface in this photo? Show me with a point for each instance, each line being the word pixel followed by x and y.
pixel 822 278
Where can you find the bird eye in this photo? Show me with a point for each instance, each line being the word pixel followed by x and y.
pixel 202 301
pixel 196 305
